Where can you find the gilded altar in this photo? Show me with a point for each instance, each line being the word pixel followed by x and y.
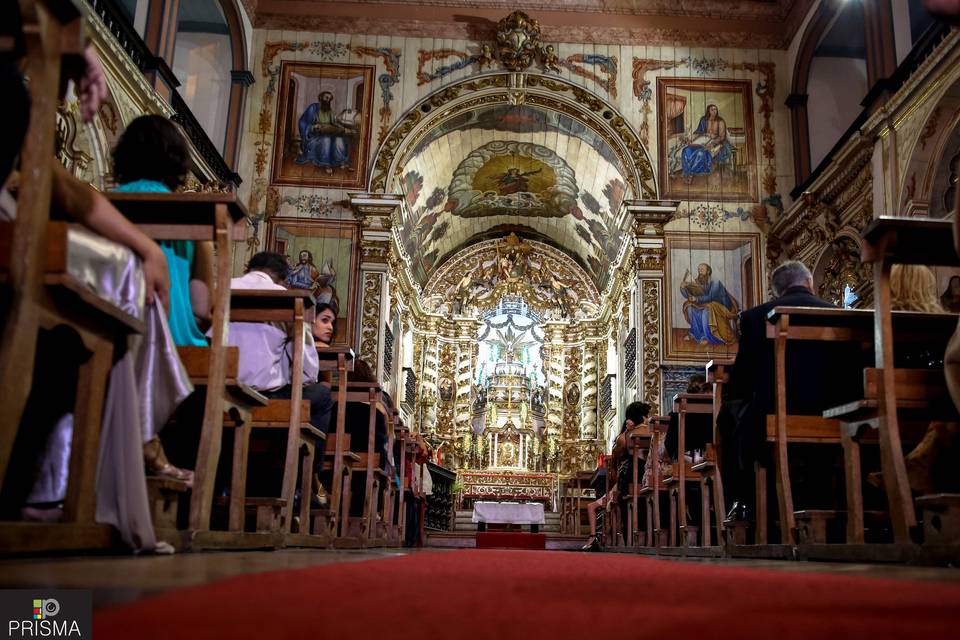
pixel 505 485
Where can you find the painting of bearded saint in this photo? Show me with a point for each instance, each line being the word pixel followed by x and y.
pixel 323 125
pixel 325 136
pixel 709 309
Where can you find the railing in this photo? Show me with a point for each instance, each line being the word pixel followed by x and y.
pixel 606 397
pixel 387 352
pixel 140 55
pixel 409 389
pixel 630 356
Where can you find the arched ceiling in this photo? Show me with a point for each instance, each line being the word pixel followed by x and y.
pixel 548 168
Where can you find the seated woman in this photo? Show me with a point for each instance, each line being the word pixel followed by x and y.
pixel 123 266
pixel 931 466
pixel 152 156
pixel 636 414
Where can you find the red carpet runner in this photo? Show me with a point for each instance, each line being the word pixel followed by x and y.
pixel 510 540
pixel 539 594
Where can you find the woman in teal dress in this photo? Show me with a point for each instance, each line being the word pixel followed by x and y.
pixel 151 157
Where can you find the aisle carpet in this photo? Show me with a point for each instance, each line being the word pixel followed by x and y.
pixel 489 594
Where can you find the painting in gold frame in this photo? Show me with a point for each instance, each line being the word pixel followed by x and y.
pixel 709 279
pixel 323 256
pixel 323 125
pixel 706 137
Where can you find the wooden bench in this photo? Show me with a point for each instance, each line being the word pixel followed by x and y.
pixel 921 396
pixel 889 240
pixel 203 217
pixel 656 535
pixel 285 306
pixel 370 393
pixel 684 404
pixel 638 439
pixel 842 425
pixel 37 293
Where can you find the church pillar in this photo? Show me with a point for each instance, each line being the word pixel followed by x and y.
pixel 374 211
pixel 647 276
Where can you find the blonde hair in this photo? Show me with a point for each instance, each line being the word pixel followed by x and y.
pixel 914 288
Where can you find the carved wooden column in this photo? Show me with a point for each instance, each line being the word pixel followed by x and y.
pixel 647 274
pixel 375 213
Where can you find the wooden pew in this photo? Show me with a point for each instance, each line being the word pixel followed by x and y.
pixel 53 36
pixel 684 404
pixel 887 241
pixel 338 360
pixel 257 306
pixel 638 439
pixel 655 534
pixel 221 218
pixel 401 434
pixel 717 375
pixel 38 292
pixel 830 325
pixel 371 394
pixel 611 535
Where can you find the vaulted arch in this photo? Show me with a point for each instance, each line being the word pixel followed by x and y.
pixel 530 153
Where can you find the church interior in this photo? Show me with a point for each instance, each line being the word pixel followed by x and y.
pixel 642 314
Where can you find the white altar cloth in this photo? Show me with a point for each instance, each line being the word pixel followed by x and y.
pixel 508 512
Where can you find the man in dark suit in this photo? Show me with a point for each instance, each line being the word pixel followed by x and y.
pixel 751 393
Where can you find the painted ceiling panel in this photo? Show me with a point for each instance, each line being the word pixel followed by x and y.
pixel 516 166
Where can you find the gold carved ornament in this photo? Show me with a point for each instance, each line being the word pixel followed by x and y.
pixel 370 318
pixel 650 311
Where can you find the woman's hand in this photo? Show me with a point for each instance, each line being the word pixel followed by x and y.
pixel 157 276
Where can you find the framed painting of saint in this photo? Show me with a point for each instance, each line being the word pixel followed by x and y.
pixel 323 125
pixel 707 145
pixel 710 279
pixel 323 259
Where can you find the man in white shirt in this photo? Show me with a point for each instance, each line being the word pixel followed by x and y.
pixel 266 349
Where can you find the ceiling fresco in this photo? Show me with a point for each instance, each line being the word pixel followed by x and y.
pixel 523 167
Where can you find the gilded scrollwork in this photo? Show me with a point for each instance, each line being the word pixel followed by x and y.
pixel 477 278
pixel 650 311
pixel 370 317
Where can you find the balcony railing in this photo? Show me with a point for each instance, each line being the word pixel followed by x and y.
pixel 140 55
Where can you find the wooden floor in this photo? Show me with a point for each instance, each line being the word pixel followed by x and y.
pixel 118 579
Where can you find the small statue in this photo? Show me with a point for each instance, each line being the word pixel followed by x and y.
pixel 551 62
pixel 485 59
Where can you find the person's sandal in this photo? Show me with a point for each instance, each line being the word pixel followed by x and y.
pixel 158 465
pixel 593 544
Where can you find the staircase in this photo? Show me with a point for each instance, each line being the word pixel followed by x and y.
pixel 464 525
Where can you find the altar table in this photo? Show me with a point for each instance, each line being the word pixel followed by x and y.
pixel 508 513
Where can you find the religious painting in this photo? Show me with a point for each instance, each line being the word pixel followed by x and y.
pixel 710 279
pixel 323 125
pixel 707 149
pixel 323 259
pixel 512 178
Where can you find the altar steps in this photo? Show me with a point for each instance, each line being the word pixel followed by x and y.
pixel 463 523
pixel 467 540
